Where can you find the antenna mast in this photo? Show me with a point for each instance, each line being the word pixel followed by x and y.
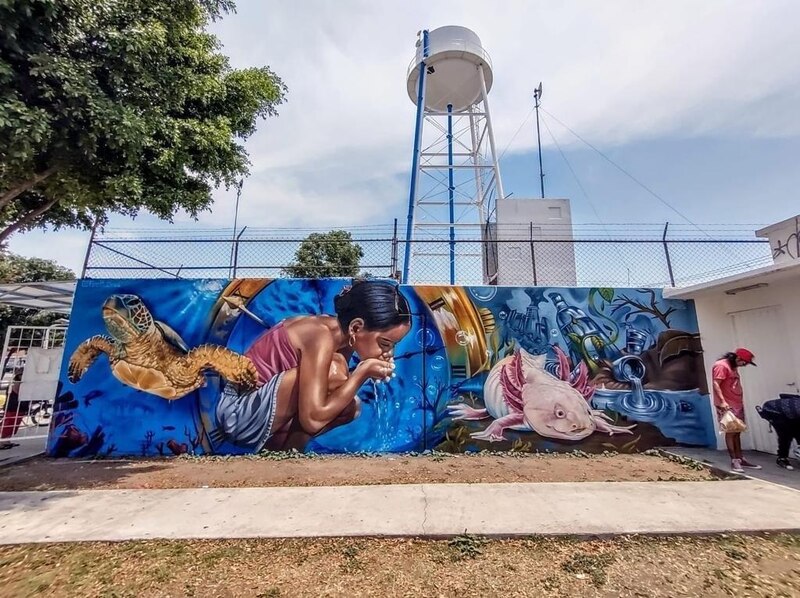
pixel 537 95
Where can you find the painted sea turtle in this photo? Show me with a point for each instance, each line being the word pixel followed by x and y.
pixel 150 356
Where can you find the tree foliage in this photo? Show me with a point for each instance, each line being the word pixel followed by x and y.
pixel 15 268
pixel 112 106
pixel 326 255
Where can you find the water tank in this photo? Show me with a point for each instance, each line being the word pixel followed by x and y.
pixel 454 56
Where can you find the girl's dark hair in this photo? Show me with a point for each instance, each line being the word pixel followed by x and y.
pixel 379 303
pixel 731 359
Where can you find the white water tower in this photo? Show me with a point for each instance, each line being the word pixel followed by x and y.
pixel 455 176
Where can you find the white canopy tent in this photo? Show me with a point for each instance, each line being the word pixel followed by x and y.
pixel 50 296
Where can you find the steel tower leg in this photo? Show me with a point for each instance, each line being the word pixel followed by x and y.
pixel 412 194
pixel 490 131
pixel 451 194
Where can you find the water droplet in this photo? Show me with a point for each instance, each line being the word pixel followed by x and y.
pixel 431 391
pixel 397 405
pixel 502 315
pixel 462 338
pixel 425 337
pixel 438 362
pixel 554 332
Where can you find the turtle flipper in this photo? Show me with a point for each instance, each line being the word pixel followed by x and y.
pixel 235 368
pixel 86 353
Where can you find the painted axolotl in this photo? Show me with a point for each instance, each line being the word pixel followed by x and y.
pixel 520 394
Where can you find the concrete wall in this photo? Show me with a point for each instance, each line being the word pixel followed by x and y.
pixel 715 310
pixel 784 240
pixel 547 263
pixel 239 366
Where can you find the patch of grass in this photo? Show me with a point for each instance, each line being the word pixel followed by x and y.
pixel 39 583
pixel 734 547
pixel 223 553
pixel 466 565
pixel 466 546
pixel 687 462
pixel 788 540
pixel 161 573
pixel 593 565
pixel 580 454
pixel 351 563
pixel 551 583
pixel 534 540
pixel 734 553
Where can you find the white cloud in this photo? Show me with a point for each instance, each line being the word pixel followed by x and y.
pixel 617 72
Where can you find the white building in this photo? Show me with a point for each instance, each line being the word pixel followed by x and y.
pixel 534 243
pixel 759 310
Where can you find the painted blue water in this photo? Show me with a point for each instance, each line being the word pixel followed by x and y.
pixel 684 416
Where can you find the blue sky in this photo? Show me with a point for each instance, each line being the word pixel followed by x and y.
pixel 696 99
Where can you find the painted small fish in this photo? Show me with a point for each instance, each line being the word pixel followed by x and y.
pixel 521 395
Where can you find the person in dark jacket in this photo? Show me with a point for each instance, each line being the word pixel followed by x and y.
pixel 13 413
pixel 783 414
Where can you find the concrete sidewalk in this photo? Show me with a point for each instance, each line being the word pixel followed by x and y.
pixel 23 449
pixel 405 510
pixel 720 460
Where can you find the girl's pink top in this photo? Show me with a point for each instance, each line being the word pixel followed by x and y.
pixel 273 353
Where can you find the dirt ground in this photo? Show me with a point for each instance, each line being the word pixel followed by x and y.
pixel 217 472
pixel 467 566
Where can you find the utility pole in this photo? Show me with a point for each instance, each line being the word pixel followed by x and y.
pixel 234 239
pixel 537 95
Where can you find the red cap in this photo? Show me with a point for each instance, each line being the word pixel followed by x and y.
pixel 745 355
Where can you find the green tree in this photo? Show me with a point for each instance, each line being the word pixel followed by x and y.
pixel 15 268
pixel 113 106
pixel 326 255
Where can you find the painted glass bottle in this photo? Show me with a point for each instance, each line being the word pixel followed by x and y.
pixel 586 340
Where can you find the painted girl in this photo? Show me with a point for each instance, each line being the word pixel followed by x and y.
pixel 302 363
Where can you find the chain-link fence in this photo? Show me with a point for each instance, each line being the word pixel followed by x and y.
pixel 520 261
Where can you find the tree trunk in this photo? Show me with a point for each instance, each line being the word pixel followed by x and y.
pixel 25 220
pixel 10 195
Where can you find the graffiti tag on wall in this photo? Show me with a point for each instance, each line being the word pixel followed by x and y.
pixel 789 247
pixel 241 366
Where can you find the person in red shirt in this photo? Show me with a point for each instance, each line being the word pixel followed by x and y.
pixel 728 396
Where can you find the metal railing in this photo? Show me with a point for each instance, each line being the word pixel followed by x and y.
pixel 547 258
pixel 28 395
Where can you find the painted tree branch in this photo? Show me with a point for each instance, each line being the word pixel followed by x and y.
pixel 26 220
pixel 640 307
pixel 18 190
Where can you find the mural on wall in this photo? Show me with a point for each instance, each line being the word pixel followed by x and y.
pixel 157 367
